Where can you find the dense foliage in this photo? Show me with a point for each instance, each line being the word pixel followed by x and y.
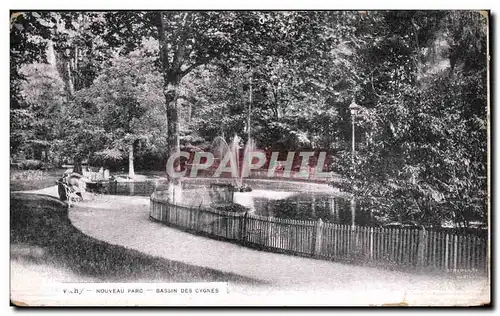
pixel 111 87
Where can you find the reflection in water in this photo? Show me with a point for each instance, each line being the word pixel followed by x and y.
pixel 312 207
pixel 286 199
pixel 292 205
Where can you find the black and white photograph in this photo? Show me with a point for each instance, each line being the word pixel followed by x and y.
pixel 250 158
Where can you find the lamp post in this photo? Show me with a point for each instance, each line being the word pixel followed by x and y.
pixel 249 107
pixel 354 108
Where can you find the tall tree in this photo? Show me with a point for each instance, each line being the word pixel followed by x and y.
pixel 26 47
pixel 187 40
pixel 122 95
pixel 65 39
pixel 412 161
pixel 298 71
pixel 37 121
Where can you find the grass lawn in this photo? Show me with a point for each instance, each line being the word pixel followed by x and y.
pixel 42 235
pixel 26 180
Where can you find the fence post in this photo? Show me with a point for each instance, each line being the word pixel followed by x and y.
pixel 198 225
pixel 243 226
pixel 371 243
pixel 422 246
pixel 151 207
pixel 318 237
pixel 446 252
pixel 131 188
pixel 455 252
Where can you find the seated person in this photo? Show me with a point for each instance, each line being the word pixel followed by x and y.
pixel 76 182
pixel 61 188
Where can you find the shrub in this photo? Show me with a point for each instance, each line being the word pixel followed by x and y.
pixel 28 175
pixel 233 207
pixel 30 164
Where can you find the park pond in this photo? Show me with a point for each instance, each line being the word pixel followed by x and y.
pixel 279 198
pixel 283 199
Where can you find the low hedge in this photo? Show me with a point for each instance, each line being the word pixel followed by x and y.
pixel 30 164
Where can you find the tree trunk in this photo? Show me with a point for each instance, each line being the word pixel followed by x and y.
pixel 171 89
pixel 69 75
pixel 63 61
pixel 171 81
pixel 131 172
pixel 173 143
pixel 77 165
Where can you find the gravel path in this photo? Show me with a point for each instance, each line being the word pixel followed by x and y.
pixel 124 221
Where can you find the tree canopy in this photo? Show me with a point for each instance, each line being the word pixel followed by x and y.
pixel 114 86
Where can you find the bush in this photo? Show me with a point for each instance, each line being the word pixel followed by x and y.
pixel 26 180
pixel 30 164
pixel 234 207
pixel 28 175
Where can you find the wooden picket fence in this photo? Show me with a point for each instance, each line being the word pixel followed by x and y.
pixel 395 247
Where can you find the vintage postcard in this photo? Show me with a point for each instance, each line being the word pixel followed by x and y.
pixel 249 158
